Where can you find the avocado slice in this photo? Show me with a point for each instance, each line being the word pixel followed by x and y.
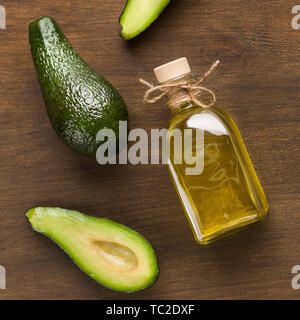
pixel 138 15
pixel 79 101
pixel 112 254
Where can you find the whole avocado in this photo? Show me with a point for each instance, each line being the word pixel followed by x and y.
pixel 79 101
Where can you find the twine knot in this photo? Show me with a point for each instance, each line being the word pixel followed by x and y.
pixel 181 92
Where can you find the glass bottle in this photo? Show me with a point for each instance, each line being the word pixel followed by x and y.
pixel 221 192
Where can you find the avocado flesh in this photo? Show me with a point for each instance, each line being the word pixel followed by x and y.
pixel 138 15
pixel 112 254
pixel 79 101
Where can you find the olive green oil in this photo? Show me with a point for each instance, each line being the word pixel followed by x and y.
pixel 227 195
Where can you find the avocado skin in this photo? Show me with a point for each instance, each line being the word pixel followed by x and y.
pixel 37 219
pixel 79 101
pixel 130 6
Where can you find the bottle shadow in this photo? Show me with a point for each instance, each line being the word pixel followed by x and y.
pixel 238 251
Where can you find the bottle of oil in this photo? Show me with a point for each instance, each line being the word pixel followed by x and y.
pixel 222 192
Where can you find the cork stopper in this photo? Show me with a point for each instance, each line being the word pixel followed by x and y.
pixel 172 70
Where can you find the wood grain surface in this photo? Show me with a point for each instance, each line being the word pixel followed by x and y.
pixel 257 83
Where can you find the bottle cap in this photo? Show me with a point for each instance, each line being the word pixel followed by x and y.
pixel 172 70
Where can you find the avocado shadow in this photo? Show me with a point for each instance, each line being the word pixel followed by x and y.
pixel 149 33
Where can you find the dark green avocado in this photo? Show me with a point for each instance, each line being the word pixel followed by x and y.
pixel 79 101
pixel 112 254
pixel 138 15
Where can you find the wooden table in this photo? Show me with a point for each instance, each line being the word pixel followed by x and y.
pixel 257 83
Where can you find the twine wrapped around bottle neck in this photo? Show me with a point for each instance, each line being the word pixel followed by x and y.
pixel 181 92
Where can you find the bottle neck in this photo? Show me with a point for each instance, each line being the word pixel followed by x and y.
pixel 178 100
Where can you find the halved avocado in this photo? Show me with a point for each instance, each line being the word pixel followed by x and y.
pixel 112 254
pixel 138 15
